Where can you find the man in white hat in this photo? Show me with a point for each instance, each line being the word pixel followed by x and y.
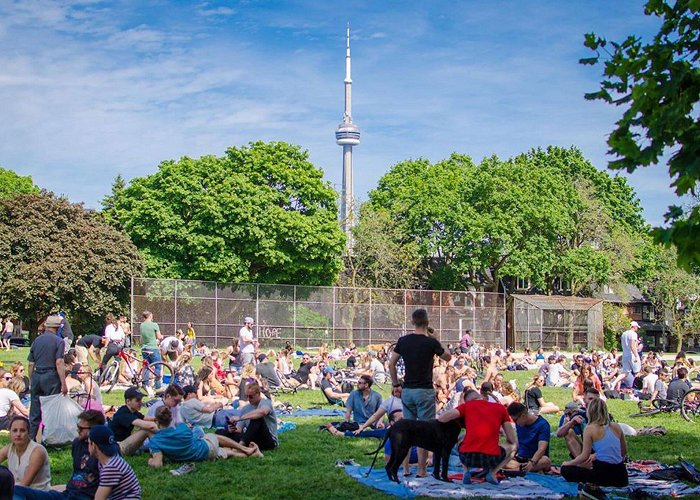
pixel 247 341
pixel 631 362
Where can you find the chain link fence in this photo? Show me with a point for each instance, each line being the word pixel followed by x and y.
pixel 307 316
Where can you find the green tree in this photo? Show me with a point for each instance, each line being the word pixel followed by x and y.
pixel 108 202
pixel 675 293
pixel 477 224
pixel 57 255
pixel 658 84
pixel 11 184
pixel 260 213
pixel 382 256
pixel 615 321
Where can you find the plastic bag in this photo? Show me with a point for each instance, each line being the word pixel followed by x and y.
pixel 59 416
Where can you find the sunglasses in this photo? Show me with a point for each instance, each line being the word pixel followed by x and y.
pixel 81 428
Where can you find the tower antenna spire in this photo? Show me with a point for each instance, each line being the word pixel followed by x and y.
pixel 347 135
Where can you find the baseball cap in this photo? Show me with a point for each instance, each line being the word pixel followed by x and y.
pixel 103 437
pixel 571 406
pixel 634 324
pixel 328 369
pixel 133 393
pixel 248 319
pixel 262 357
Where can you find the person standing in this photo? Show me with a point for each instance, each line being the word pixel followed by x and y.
pixel 150 336
pixel 247 341
pixel 46 369
pixel 418 396
pixel 7 330
pixel 65 331
pixel 631 362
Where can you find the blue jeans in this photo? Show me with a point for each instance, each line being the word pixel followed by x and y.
pixel 152 356
pixel 25 493
pixel 418 404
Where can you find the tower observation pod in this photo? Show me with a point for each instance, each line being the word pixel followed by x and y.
pixel 347 135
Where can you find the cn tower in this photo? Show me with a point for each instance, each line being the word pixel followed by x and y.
pixel 347 135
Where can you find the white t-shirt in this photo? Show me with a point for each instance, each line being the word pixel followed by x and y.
pixel 7 396
pixel 165 345
pixel 246 339
pixel 627 338
pixel 648 383
pixel 114 334
pixel 378 371
pixel 554 375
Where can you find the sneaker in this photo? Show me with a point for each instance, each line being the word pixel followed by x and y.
pixel 592 493
pixel 150 391
pixel 183 469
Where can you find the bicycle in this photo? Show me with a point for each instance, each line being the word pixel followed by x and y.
pixel 690 406
pixel 110 376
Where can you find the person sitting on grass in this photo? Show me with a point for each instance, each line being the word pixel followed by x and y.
pixel 305 376
pixel 266 372
pixel 534 401
pixel 172 397
pixel 209 389
pixel 330 387
pixel 533 440
pixel 205 415
pixel 573 421
pixel 85 479
pixel 602 458
pixel 126 418
pixel 10 404
pixel 679 386
pixel 558 376
pixel 179 444
pixel 361 404
pixel 480 448
pixel 117 479
pixel 586 377
pixel 27 460
pixel 257 421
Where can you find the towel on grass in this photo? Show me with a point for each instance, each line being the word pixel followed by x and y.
pixel 429 486
pixel 323 412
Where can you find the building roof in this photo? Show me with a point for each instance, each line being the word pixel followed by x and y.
pixel 565 302
pixel 630 294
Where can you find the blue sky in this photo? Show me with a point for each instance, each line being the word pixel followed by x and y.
pixel 89 89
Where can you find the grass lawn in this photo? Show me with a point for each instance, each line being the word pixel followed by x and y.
pixel 303 466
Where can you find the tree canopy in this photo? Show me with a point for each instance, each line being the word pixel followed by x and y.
pixel 658 84
pixel 548 216
pixel 260 213
pixel 12 183
pixel 58 256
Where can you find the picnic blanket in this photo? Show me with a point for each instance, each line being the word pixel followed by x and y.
pixel 531 485
pixel 322 412
pixel 518 487
pixel 285 426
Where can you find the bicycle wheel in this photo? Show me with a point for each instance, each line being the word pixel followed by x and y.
pixel 166 372
pixel 690 406
pixel 648 413
pixel 111 376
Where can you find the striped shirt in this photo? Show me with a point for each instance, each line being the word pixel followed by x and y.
pixel 118 475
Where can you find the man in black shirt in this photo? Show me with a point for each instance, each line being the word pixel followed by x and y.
pixel 87 345
pixel 418 397
pixel 304 374
pixel 679 386
pixel 128 416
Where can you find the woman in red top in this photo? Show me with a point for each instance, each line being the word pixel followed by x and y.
pixel 586 373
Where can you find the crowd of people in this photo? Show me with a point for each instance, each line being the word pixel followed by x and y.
pixel 226 407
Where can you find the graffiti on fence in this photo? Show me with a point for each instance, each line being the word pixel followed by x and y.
pixel 269 333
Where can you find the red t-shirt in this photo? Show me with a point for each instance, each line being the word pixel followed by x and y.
pixel 482 421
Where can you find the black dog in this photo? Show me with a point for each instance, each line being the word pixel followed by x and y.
pixel 431 435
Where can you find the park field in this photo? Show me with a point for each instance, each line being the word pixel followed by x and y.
pixel 303 467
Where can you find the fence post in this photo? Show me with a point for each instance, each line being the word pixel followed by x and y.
pixel 294 315
pixel 131 311
pixel 370 316
pixel 257 310
pixel 175 304
pixel 216 314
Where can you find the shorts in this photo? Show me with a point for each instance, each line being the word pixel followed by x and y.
pixel 6 335
pixel 215 450
pixel 482 460
pixel 418 404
